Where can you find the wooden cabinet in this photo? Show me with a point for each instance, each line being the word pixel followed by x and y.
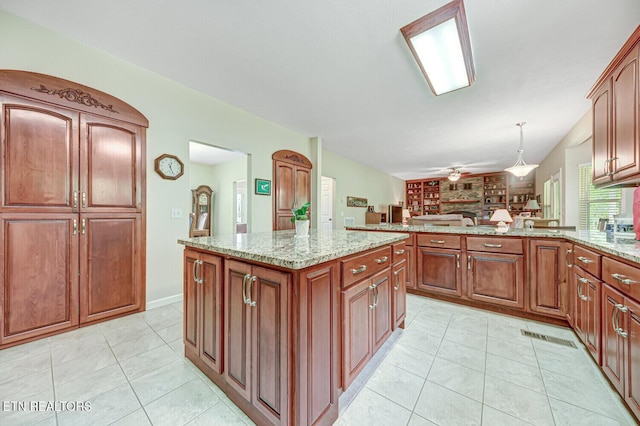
pixel 202 293
pixel 495 270
pixel 548 277
pixel 439 270
pixel 74 151
pixel 40 275
pixel 256 337
pixel 571 285
pixel 399 297
pixel 621 345
pixel 366 322
pixel 616 117
pixel 587 324
pixel 291 186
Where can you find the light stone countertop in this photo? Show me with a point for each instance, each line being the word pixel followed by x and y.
pixel 283 248
pixel 625 248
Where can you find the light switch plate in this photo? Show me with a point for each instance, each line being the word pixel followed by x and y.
pixel 176 213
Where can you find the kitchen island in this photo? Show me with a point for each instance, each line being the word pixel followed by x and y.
pixel 284 324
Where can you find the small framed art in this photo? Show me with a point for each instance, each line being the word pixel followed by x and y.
pixel 263 187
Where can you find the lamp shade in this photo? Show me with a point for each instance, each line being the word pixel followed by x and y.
pixel 406 214
pixel 501 215
pixel 532 205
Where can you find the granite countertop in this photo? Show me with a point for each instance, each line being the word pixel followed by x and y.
pixel 283 248
pixel 625 248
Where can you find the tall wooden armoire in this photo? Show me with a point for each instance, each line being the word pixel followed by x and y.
pixel 291 186
pixel 73 206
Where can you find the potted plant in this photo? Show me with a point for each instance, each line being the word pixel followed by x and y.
pixel 301 220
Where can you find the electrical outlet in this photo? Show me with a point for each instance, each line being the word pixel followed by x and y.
pixel 176 213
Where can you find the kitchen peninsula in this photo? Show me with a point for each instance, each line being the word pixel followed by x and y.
pixel 284 324
pixel 581 279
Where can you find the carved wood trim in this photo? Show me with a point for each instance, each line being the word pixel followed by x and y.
pixel 292 157
pixel 68 94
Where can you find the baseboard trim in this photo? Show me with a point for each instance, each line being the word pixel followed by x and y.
pixel 164 301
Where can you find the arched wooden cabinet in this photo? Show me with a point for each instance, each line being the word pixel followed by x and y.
pixel 291 186
pixel 201 209
pixel 73 206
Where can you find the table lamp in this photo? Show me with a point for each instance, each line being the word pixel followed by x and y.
pixel 405 216
pixel 503 217
pixel 532 205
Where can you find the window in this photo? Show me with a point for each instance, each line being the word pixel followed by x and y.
pixel 595 203
pixel 552 197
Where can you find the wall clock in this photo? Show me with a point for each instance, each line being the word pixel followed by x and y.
pixel 169 166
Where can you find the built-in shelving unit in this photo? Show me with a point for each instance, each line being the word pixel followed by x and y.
pixel 483 194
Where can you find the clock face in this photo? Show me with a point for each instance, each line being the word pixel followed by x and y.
pixel 169 166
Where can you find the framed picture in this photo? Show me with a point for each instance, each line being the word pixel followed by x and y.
pixel 263 187
pixel 356 202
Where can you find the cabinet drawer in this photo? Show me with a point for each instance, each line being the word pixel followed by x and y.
pixel 624 277
pixel 495 245
pixel 398 252
pixel 439 240
pixel 364 265
pixel 587 260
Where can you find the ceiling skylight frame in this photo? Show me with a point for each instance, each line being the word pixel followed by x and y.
pixel 450 11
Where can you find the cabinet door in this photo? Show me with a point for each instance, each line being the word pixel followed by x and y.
pixel 612 342
pixel 270 341
pixel 40 157
pixel 111 157
pixel 592 327
pixel 399 298
pixel 237 325
pixel 357 302
pixel 496 278
pixel 190 330
pixel 439 271
pixel 411 266
pixel 626 143
pixel 601 102
pixel 112 277
pixel 631 326
pixel 210 274
pixel 548 289
pixel 382 315
pixel 571 286
pixel 285 194
pixel 39 274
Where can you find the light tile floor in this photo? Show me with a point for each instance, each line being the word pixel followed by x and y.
pixel 452 365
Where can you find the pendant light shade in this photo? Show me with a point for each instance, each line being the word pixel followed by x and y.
pixel 521 169
pixel 454 175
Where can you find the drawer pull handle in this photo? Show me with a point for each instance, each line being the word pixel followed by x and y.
pixel 585 260
pixel 382 259
pixel 493 245
pixel 196 278
pixel 458 261
pixel 621 278
pixel 374 290
pixel 359 270
pixel 252 280
pixel 566 258
pixel 580 282
pixel 397 286
pixel 438 241
pixel 619 308
pixel 399 252
pixel 244 289
pixel 469 262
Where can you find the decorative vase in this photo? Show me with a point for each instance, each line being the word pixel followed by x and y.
pixel 302 228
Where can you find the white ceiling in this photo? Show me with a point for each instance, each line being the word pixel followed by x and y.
pixel 341 70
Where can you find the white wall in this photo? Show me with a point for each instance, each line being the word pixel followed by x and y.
pixel 357 180
pixel 178 114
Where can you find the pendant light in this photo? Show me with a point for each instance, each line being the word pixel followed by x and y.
pixel 521 169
